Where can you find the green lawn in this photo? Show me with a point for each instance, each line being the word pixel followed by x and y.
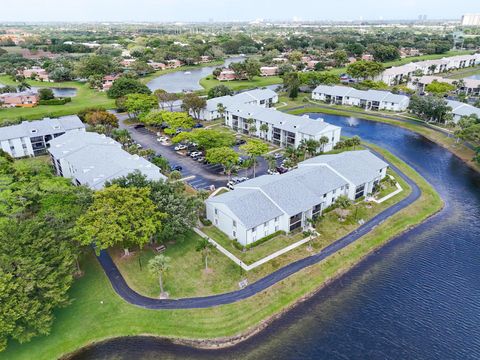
pixel 85 98
pixel 97 313
pixel 236 85
pixel 256 253
pixel 187 277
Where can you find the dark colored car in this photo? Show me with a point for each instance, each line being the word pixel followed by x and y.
pixel 197 125
pixel 240 142
pixel 176 168
pixel 281 170
pixel 139 126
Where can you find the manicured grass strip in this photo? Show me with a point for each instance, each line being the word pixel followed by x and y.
pixel 97 313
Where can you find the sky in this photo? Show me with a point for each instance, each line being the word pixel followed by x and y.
pixel 231 10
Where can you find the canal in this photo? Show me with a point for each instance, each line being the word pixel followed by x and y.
pixel 416 298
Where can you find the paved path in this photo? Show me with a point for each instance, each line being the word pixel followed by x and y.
pixel 129 295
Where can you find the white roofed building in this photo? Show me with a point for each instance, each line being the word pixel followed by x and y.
pixel 92 159
pixel 30 137
pixel 262 206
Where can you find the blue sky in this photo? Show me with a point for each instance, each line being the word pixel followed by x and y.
pixel 221 10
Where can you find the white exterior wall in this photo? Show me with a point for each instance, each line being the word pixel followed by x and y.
pixel 18 147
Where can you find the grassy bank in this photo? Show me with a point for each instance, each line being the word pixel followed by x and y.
pixel 445 141
pixel 97 313
pixel 85 98
pixel 257 82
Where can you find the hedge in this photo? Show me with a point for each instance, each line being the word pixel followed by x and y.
pixel 61 101
pixel 205 222
pixel 259 241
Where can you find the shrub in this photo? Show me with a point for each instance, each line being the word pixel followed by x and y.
pixel 62 101
pixel 205 222
pixel 264 239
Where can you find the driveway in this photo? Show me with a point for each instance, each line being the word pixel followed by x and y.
pixel 197 175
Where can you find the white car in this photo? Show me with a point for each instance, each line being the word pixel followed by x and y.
pixel 278 155
pixel 180 147
pixel 195 154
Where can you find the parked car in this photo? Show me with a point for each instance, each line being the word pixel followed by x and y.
pixel 278 155
pixel 240 142
pixel 281 170
pixel 175 168
pixel 197 125
pixel 201 159
pixel 272 172
pixel 180 147
pixel 139 126
pixel 195 154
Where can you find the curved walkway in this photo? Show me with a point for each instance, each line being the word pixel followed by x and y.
pixel 121 287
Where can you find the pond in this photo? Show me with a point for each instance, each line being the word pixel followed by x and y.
pixel 416 298
pixel 57 91
pixel 182 80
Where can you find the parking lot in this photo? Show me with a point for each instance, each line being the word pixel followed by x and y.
pixel 198 175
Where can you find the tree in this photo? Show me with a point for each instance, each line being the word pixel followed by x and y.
pixel 205 247
pixel 221 109
pixel 102 118
pixel 126 85
pixel 384 52
pixel 137 104
pixel 255 148
pixel 363 69
pixel 264 129
pixel 23 86
pixel 225 156
pixel 315 78
pixel 119 216
pixel 355 141
pixel 311 146
pixel 194 104
pixel 430 108
pixel 340 57
pixel 173 120
pixel 96 65
pixel 8 89
pixel 170 198
pixel 439 88
pixel 46 94
pixel 158 266
pixel 166 99
pixel 207 138
pixel 219 90
pixel 252 68
pixel 291 82
pixel 324 140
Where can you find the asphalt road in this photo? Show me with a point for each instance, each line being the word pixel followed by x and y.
pixel 129 295
pixel 199 176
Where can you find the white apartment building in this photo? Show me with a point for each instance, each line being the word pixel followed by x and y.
pixel 259 97
pixel 283 129
pixel 30 137
pixel 271 203
pixel 92 159
pixel 369 99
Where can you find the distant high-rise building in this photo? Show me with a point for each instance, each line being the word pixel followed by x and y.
pixel 471 20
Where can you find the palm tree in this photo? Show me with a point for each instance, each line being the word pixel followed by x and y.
pixel 432 68
pixel 23 86
pixel 252 130
pixel 311 146
pixel 264 130
pixel 323 141
pixel 250 122
pixel 355 141
pixel 292 154
pixel 158 266
pixel 221 109
pixel 205 247
pixel 270 161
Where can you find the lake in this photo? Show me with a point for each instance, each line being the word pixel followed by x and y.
pixel 179 81
pixel 416 298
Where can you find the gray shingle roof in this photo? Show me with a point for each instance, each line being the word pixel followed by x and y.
pixel 372 95
pixel 239 99
pixel 41 127
pixel 462 109
pixel 357 166
pixel 98 158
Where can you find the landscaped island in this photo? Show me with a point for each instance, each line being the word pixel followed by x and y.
pixel 95 303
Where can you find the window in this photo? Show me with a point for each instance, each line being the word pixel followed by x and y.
pixel 216 211
pixel 234 234
pixel 324 196
pixel 359 191
pixel 234 223
pixel 317 209
pixel 254 229
pixel 265 224
pixel 295 221
pixel 276 219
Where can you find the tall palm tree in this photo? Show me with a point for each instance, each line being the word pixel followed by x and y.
pixel 250 122
pixel 323 141
pixel 205 247
pixel 158 266
pixel 311 146
pixel 355 141
pixel 221 109
pixel 264 130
